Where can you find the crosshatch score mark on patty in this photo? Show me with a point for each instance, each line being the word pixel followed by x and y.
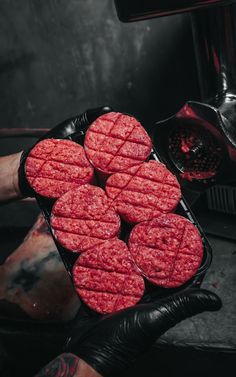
pixel 143 192
pixel 115 142
pixel 168 250
pixel 105 278
pixel 83 218
pixel 55 166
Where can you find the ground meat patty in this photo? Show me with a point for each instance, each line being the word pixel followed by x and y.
pixel 83 218
pixel 115 142
pixel 168 250
pixel 54 167
pixel 143 192
pixel 105 278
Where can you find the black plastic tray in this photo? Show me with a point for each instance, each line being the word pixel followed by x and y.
pixel 151 292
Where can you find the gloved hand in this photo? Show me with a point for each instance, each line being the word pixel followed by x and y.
pixel 69 129
pixel 114 342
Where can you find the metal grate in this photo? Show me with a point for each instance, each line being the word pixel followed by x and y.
pixel 222 198
pixel 195 152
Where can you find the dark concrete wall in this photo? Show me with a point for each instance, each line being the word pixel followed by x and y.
pixel 59 57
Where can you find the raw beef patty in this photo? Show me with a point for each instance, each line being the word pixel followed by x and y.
pixel 115 142
pixel 143 192
pixel 83 218
pixel 105 278
pixel 55 166
pixel 168 250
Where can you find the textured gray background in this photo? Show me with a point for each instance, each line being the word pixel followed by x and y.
pixel 59 57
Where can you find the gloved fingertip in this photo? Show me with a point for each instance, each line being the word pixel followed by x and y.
pixel 24 186
pixel 194 301
pixel 209 300
pixel 106 109
pixel 93 114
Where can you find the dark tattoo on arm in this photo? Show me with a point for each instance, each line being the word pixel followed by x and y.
pixel 64 365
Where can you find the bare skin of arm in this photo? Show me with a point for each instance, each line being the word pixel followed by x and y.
pixel 68 365
pixel 9 187
pixel 65 365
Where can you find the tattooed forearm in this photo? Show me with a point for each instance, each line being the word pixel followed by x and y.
pixel 64 365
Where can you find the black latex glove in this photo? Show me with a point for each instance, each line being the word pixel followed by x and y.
pixel 66 130
pixel 116 341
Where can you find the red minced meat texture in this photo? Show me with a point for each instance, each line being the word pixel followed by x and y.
pixel 115 142
pixel 83 218
pixel 168 250
pixel 55 166
pixel 143 192
pixel 105 278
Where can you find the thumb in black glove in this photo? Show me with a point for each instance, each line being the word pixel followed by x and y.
pixel 69 129
pixel 116 341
